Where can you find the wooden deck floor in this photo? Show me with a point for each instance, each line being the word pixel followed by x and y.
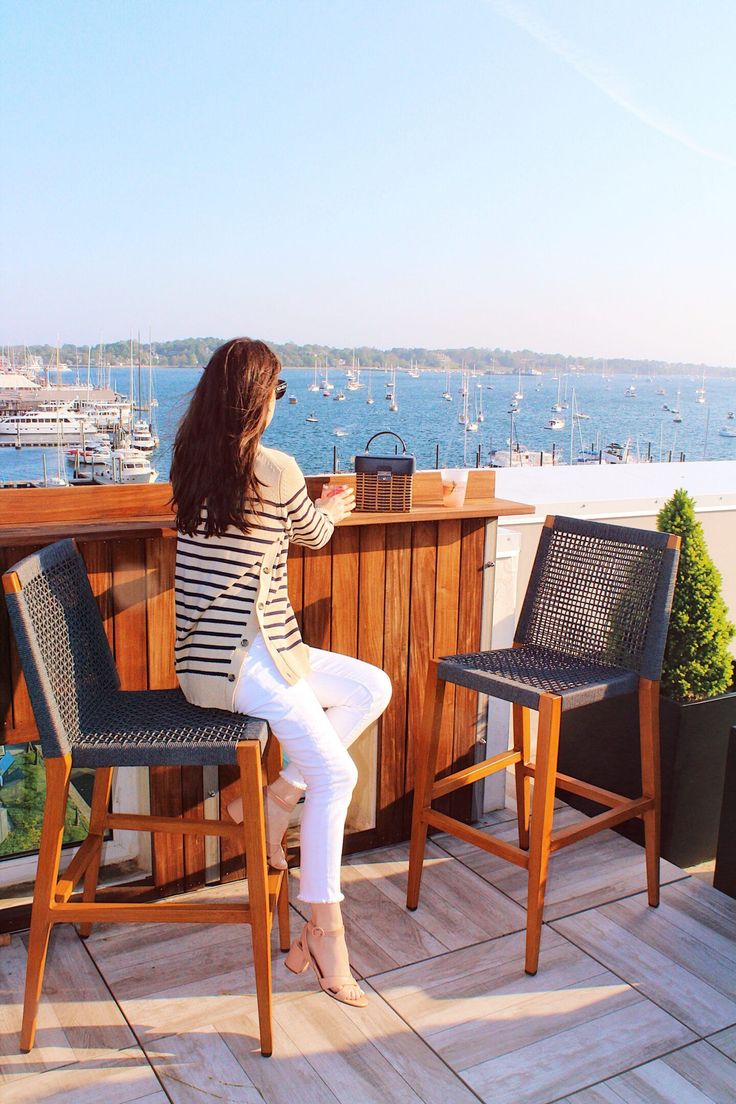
pixel 629 1005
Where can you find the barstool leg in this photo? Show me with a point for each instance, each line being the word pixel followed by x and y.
pixel 650 781
pixel 272 762
pixel 543 801
pixel 425 769
pixel 254 838
pixel 58 770
pixel 98 816
pixel 283 910
pixel 521 717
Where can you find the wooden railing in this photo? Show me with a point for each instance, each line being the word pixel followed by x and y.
pixel 390 589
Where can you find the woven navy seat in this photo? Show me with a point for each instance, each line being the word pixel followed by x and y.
pixel 75 690
pixel 522 674
pixel 84 719
pixel 593 625
pixel 144 728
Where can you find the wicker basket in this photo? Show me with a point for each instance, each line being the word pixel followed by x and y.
pixel 383 483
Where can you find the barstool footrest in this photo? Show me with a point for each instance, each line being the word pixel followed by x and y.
pixel 635 807
pixel 473 774
pixel 468 834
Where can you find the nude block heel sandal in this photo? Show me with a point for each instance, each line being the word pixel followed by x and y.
pixel 337 985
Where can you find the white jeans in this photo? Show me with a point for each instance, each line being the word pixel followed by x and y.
pixel 315 721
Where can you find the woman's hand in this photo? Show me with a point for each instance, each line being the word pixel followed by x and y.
pixel 338 506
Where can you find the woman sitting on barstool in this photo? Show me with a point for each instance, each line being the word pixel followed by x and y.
pixel 238 645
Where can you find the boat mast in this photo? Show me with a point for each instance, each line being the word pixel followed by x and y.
pixel 140 388
pixel 132 398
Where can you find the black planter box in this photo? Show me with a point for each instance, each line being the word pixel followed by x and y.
pixel 724 876
pixel 600 744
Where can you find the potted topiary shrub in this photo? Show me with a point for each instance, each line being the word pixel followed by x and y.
pixel 697 709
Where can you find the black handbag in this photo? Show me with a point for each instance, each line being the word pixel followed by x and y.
pixel 383 483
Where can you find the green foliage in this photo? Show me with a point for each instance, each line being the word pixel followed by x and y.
pixel 697 662
pixel 24 796
pixel 192 351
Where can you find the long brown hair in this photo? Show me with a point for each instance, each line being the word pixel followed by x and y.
pixel 215 447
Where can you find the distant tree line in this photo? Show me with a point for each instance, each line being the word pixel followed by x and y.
pixel 193 351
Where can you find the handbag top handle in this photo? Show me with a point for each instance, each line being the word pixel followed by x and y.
pixel 386 433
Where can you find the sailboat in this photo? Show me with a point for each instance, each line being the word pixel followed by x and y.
pixel 353 377
pixel 326 385
pixel 393 405
pixel 471 426
pixel 700 392
pixel 676 415
pixel 518 393
pixel 578 415
pixel 463 388
pixel 447 393
pixel 60 479
pixel 565 404
pixel 314 386
pixel 558 405
pixel 463 415
pixel 143 435
pixel 370 400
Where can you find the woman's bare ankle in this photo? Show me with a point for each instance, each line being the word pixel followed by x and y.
pixel 326 915
pixel 330 950
pixel 285 790
pixel 235 810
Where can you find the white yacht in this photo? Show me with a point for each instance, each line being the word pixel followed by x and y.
pixel 89 452
pixel 729 428
pixel 520 457
pixel 555 423
pixel 106 415
pixel 46 425
pixel 142 437
pixel 128 465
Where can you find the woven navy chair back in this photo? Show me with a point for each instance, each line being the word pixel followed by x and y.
pixel 603 592
pixel 64 653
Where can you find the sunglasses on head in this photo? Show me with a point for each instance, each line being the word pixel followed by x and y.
pixel 281 386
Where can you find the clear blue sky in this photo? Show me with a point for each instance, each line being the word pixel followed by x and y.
pixel 552 174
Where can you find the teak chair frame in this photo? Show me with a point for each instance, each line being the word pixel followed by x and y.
pixel 54 900
pixel 537 839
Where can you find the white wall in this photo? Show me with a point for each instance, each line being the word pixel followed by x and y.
pixel 630 494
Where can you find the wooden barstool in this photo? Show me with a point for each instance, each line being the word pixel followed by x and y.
pixel 593 625
pixel 84 719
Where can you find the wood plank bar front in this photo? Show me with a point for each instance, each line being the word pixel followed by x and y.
pixel 391 589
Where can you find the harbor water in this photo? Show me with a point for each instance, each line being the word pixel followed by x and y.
pixel 429 423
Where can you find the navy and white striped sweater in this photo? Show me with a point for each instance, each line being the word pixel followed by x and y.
pixel 231 587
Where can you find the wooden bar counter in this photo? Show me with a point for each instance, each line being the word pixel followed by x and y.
pixel 392 589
